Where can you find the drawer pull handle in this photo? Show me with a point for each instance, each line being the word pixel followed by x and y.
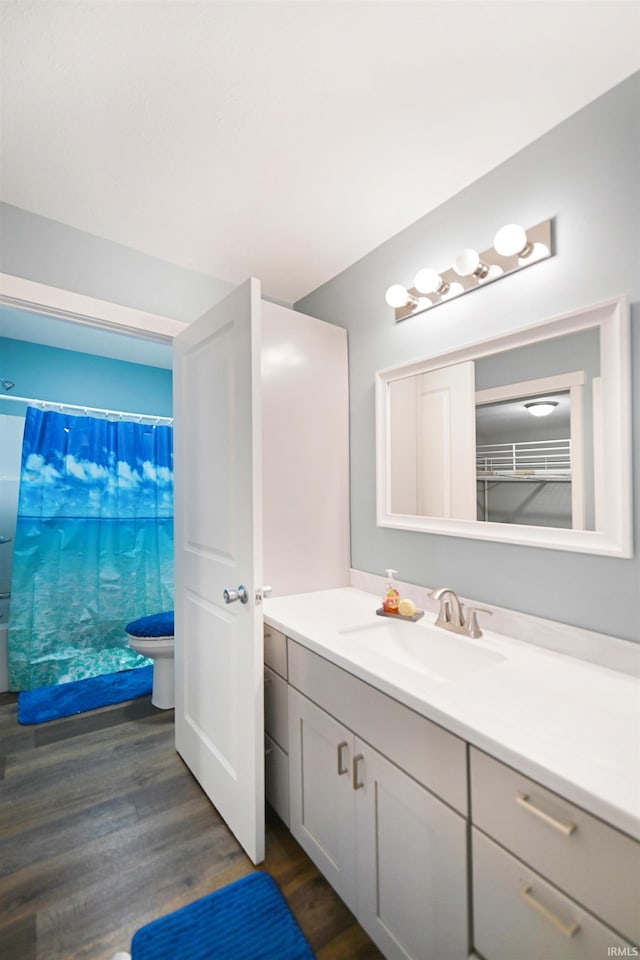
pixel 357 785
pixel 341 768
pixel 568 929
pixel 267 636
pixel 565 828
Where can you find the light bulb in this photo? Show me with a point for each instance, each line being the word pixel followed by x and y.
pixel 511 241
pixel 541 408
pixel 398 296
pixel 538 252
pixel 430 281
pixel 494 271
pixel 468 264
pixel 455 289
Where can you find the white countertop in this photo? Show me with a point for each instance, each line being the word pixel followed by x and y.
pixel 573 726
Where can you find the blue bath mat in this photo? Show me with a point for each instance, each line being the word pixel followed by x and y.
pixel 248 920
pixel 66 699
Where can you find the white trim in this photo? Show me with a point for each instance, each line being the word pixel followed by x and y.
pixel 576 432
pixel 90 311
pixel 525 388
pixel 614 536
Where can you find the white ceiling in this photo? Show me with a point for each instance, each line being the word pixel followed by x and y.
pixel 284 139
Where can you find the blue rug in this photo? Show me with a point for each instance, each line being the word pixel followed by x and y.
pixel 248 920
pixel 66 699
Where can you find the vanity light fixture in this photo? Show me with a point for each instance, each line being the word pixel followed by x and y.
pixel 541 408
pixel 7 384
pixel 514 248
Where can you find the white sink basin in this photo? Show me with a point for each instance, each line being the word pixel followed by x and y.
pixel 438 653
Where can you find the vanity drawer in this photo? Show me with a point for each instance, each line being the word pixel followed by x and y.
pixel 585 857
pixel 275 650
pixel 276 778
pixel 276 710
pixel 431 755
pixel 518 914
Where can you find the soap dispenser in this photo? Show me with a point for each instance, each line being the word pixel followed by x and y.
pixel 391 598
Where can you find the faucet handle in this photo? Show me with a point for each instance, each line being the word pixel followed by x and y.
pixel 473 629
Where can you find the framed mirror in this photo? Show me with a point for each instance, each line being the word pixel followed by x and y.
pixel 523 438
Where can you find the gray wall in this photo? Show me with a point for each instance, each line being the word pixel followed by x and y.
pixel 583 173
pixel 45 251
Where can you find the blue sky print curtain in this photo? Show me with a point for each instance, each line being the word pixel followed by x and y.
pixel 93 545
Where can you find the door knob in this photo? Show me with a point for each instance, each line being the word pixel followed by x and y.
pixel 230 596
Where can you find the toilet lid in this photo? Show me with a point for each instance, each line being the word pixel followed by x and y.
pixel 155 626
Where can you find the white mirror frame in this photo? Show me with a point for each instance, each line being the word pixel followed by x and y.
pixel 615 537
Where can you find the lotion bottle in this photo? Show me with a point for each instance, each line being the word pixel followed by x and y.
pixel 392 596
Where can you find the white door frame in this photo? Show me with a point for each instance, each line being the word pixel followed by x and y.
pixel 88 311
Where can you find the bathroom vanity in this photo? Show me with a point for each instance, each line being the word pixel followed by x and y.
pixel 458 794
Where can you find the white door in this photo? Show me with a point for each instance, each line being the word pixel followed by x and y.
pixel 218 547
pixel 446 436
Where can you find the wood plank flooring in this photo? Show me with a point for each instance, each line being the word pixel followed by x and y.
pixel 103 828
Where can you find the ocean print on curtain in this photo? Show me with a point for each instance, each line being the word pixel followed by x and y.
pixel 93 545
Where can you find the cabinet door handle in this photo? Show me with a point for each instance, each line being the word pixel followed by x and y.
pixel 565 828
pixel 341 768
pixel 568 929
pixel 357 785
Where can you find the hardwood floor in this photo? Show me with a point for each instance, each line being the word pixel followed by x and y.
pixel 103 828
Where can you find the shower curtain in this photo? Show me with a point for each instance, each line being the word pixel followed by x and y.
pixel 93 545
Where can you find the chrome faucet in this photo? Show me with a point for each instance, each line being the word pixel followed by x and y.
pixel 452 614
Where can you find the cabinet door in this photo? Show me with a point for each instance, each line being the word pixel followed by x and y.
pixel 276 778
pixel 322 799
pixel 412 874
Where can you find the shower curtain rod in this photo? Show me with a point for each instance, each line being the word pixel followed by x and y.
pixel 120 414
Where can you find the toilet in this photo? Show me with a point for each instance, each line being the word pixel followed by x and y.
pixel 153 636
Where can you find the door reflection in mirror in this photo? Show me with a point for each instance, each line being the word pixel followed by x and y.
pixel 432 443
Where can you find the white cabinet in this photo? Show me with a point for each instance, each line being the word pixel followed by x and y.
pixel 549 879
pixel 304 407
pixel 437 847
pixel 276 723
pixel 412 872
pixel 322 799
pixel 394 851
